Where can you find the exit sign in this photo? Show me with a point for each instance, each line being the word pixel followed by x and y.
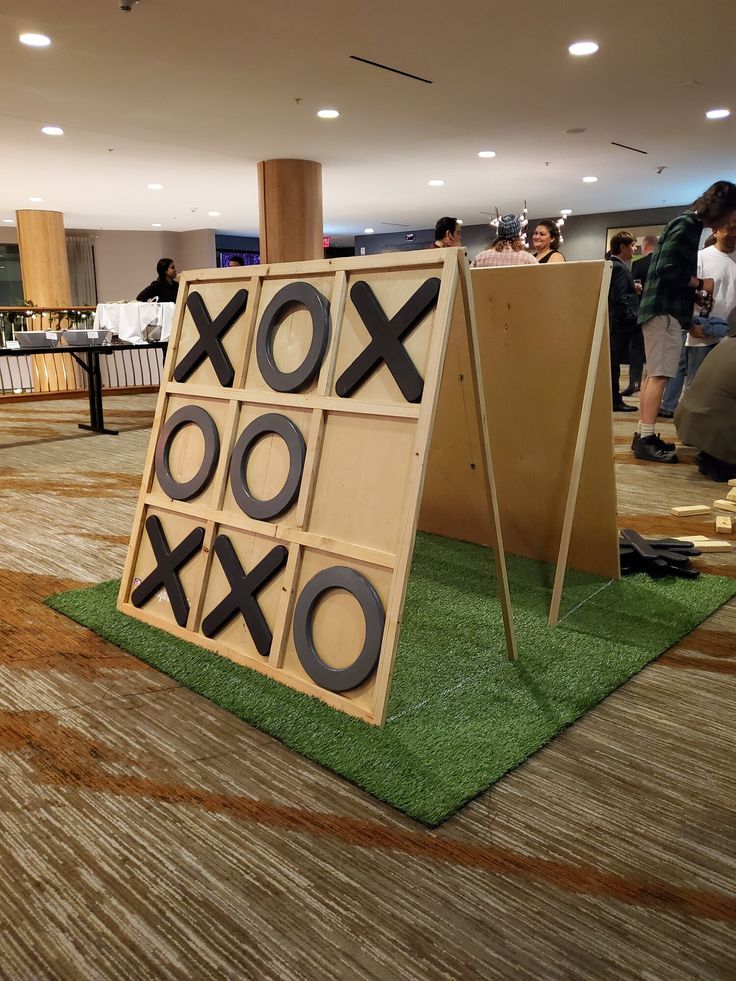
pixel 325 241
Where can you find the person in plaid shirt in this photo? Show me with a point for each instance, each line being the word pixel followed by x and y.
pixel 666 307
pixel 508 249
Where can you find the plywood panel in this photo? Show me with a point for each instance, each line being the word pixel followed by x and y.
pixel 355 473
pixel 535 330
pixel 361 480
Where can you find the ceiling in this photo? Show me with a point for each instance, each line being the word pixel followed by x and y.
pixel 192 94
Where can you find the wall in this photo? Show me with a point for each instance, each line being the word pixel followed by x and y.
pixel 195 250
pixel 125 262
pixel 585 235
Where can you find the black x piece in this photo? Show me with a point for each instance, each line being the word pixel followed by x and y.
pixel 386 340
pixel 168 564
pixel 210 333
pixel 243 591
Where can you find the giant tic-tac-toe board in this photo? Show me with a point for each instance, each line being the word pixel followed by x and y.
pixel 280 496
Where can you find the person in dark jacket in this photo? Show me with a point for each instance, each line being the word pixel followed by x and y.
pixel 639 272
pixel 165 287
pixel 706 415
pixel 623 305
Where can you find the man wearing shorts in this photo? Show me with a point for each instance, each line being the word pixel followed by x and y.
pixel 667 307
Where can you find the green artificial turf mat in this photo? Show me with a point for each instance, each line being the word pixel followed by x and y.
pixel 460 714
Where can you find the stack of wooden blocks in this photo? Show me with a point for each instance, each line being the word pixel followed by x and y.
pixel 723 523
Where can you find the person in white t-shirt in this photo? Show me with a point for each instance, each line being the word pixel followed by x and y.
pixel 717 262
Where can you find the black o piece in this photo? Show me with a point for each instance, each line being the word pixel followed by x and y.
pixel 200 418
pixel 339 679
pixel 168 564
pixel 288 297
pixel 210 332
pixel 243 591
pixel 386 339
pixel 272 422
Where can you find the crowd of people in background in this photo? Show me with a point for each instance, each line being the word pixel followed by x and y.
pixel 676 309
pixel 673 310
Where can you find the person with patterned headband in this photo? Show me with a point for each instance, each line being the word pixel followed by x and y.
pixel 507 249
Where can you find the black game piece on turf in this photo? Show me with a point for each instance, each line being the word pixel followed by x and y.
pixel 659 556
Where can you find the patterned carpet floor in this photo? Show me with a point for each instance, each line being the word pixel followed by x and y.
pixel 148 833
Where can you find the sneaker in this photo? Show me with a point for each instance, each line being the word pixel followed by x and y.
pixel 650 448
pixel 663 445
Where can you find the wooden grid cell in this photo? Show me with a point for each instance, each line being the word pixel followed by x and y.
pixel 293 335
pixel 234 639
pixel 187 449
pixel 235 342
pixel 176 527
pixel 361 482
pixel 392 293
pixel 268 462
pixel 338 626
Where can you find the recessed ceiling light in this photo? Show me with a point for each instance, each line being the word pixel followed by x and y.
pixel 436 182
pixel 214 214
pixel 52 130
pixel 368 231
pixel 487 153
pixel 155 187
pixel 565 211
pixel 589 180
pixel 328 113
pixel 583 48
pixel 7 221
pixel 155 224
pixel 35 40
pixel 718 113
pixel 459 221
pixel 36 200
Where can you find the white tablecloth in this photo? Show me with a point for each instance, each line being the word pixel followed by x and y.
pixel 136 323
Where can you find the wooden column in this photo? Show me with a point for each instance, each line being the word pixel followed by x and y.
pixel 44 269
pixel 44 265
pixel 290 197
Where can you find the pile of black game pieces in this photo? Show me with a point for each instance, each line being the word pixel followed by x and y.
pixel 658 556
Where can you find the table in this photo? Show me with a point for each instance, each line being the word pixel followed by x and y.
pixel 130 320
pixel 88 358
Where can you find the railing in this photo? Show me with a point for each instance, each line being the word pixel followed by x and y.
pixel 35 372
